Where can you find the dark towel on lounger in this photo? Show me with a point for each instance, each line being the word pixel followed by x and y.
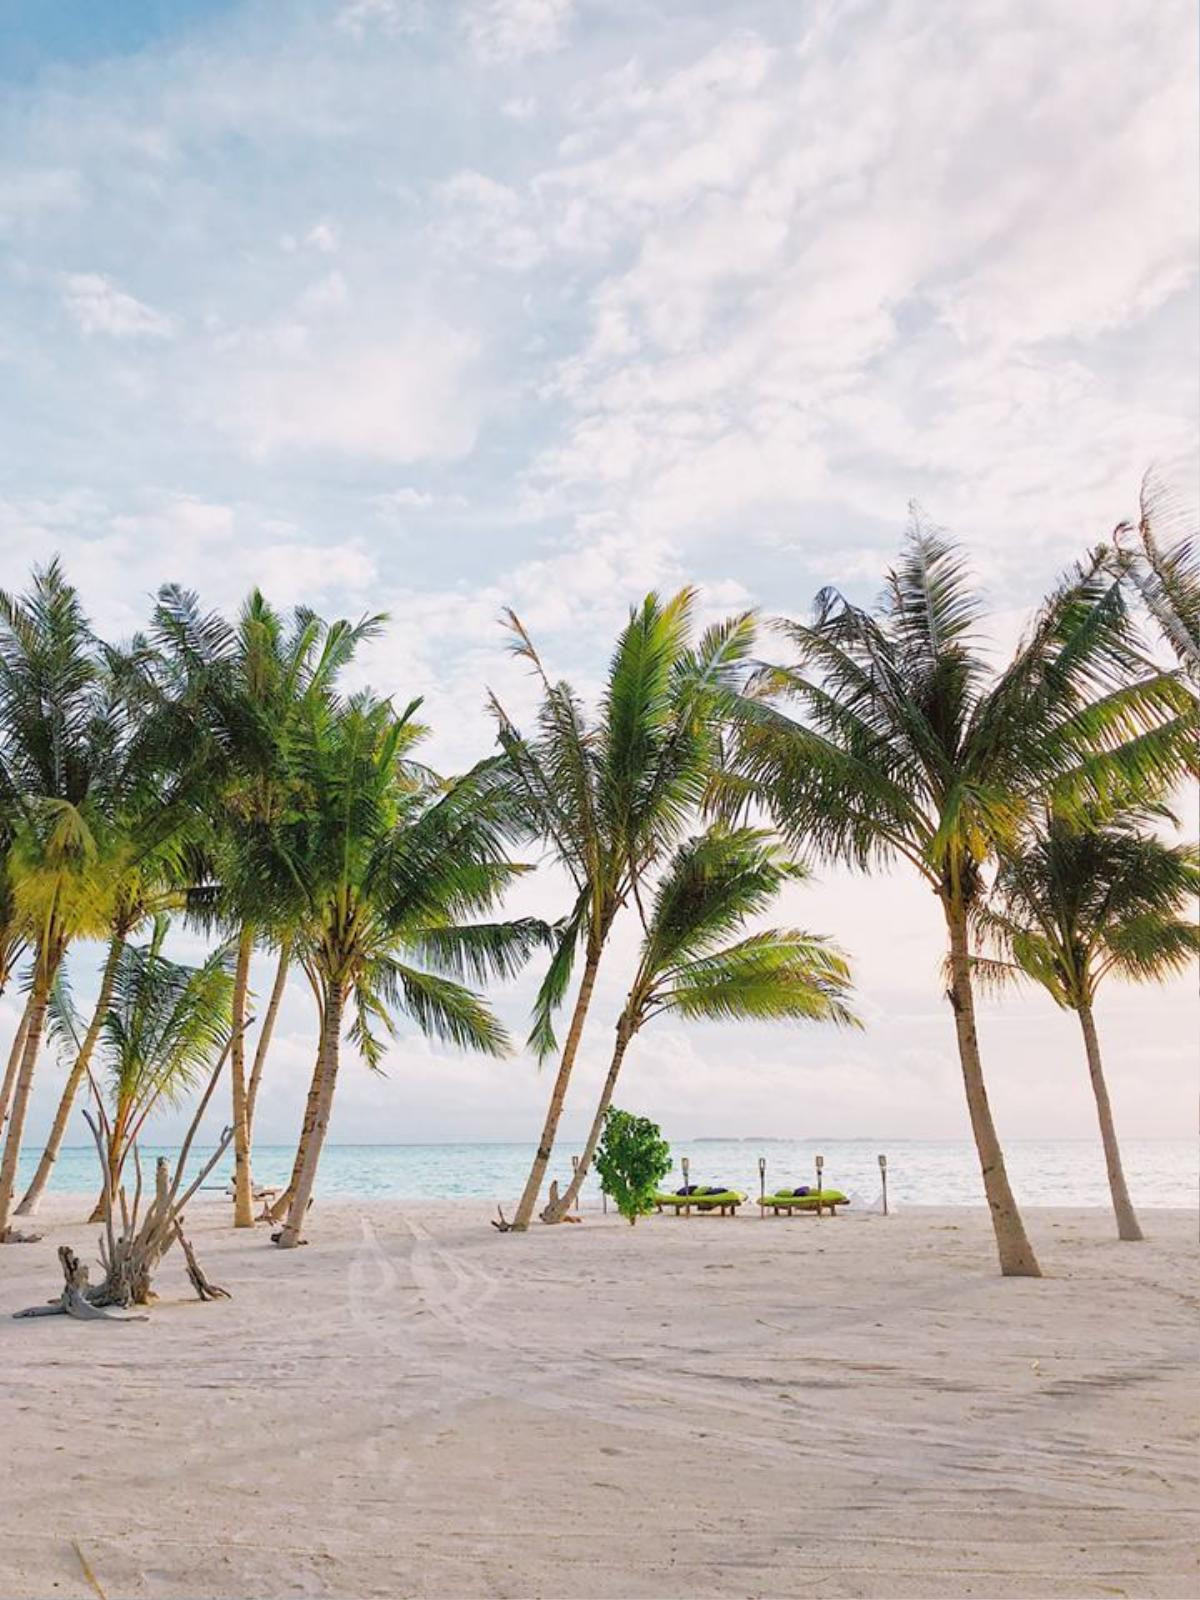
pixel 689 1188
pixel 802 1191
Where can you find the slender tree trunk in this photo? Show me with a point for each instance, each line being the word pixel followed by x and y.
pixel 41 1177
pixel 1127 1223
pixel 116 1157
pixel 1017 1259
pixel 14 1061
pixel 280 1206
pixel 331 1036
pixel 541 1160
pixel 243 1198
pixel 39 1000
pixel 567 1200
pixel 264 1036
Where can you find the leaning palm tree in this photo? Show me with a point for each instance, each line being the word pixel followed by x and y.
pixel 154 881
pixel 1079 903
pixel 12 947
pixel 152 828
pixel 390 860
pixel 712 886
pixel 162 1030
pixel 611 795
pixel 1165 575
pixel 909 747
pixel 66 768
pixel 240 691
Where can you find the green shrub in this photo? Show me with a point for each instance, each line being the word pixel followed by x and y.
pixel 632 1161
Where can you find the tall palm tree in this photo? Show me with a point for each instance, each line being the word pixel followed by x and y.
pixel 611 795
pixel 708 891
pixel 909 746
pixel 390 860
pixel 68 760
pixel 241 691
pixel 162 1030
pixel 1077 904
pixel 153 831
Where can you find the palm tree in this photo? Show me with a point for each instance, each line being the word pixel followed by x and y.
pixel 241 690
pixel 152 829
pixel 67 764
pixel 908 746
pixel 1078 903
pixel 12 948
pixel 389 860
pixel 162 1030
pixel 154 883
pixel 610 796
pixel 1167 577
pixel 711 887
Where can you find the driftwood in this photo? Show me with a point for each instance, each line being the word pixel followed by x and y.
pixel 204 1289
pixel 504 1225
pixel 131 1254
pixel 75 1299
pixel 551 1212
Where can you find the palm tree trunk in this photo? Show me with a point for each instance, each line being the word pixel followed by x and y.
pixel 1017 1259
pixel 264 1036
pixel 243 1199
pixel 545 1147
pixel 567 1200
pixel 36 1017
pixel 14 1061
pixel 41 1177
pixel 331 1036
pixel 279 1207
pixel 1127 1223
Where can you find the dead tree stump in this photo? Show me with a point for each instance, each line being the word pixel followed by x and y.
pixel 74 1300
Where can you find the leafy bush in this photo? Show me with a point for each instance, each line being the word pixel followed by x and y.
pixel 632 1161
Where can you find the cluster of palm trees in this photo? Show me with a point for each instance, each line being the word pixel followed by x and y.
pixel 219 773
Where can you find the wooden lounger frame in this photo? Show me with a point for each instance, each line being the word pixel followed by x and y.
pixel 727 1208
pixel 769 1203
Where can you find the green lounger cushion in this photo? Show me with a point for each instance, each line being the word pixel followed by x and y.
pixel 807 1202
pixel 727 1197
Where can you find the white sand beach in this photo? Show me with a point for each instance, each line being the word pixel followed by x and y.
pixel 415 1405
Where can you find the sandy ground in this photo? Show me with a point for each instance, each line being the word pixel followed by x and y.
pixel 415 1405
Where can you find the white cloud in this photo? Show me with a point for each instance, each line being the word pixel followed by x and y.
pixel 503 31
pixel 359 17
pixel 486 222
pixel 408 399
pixel 27 196
pixel 323 237
pixel 98 306
pixel 329 293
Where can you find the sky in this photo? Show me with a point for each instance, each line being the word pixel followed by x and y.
pixel 440 308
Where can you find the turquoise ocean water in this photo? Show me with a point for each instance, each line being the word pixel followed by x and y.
pixel 920 1172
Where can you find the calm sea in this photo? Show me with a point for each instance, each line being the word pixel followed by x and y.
pixel 934 1172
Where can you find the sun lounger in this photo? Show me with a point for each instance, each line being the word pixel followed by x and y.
pixel 712 1198
pixel 788 1201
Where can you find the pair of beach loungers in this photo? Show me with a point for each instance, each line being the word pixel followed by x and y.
pixel 712 1197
